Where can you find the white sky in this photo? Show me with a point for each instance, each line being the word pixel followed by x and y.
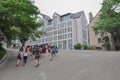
pixel 61 7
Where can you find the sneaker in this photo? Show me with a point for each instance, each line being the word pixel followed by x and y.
pixel 50 59
pixel 37 65
pixel 23 64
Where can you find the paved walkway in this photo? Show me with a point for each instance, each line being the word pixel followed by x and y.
pixel 69 65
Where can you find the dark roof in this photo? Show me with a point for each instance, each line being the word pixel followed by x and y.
pixel 77 15
pixel 66 14
pixel 46 17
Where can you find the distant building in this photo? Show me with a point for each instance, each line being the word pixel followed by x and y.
pixel 95 38
pixel 64 31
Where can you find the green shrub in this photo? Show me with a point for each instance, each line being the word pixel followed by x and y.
pixel 91 48
pixel 2 52
pixel 85 47
pixel 78 46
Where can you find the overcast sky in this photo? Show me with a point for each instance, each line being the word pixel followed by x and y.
pixel 61 7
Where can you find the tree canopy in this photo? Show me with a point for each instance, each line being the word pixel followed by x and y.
pixel 19 20
pixel 110 20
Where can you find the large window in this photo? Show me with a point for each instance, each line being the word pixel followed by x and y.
pixel 70 44
pixel 55 22
pixel 59 44
pixel 99 40
pixel 65 44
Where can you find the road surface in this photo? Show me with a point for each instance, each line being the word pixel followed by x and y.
pixel 68 65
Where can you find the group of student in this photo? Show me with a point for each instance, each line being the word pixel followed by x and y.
pixel 37 52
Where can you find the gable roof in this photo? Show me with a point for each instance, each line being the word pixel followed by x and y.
pixel 46 17
pixel 77 15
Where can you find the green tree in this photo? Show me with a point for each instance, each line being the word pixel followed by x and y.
pixel 110 21
pixel 106 42
pixel 19 19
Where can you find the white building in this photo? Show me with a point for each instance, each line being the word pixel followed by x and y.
pixel 65 30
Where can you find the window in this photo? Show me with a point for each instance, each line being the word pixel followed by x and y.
pixel 65 44
pixel 59 37
pixel 50 33
pixel 59 44
pixel 70 35
pixel 55 32
pixel 55 37
pixel 69 29
pixel 64 24
pixel 70 44
pixel 63 36
pixel 96 32
pixel 55 22
pixel 58 31
pixel 65 30
pixel 70 23
pixel 99 40
pixel 50 38
pixel 50 22
pixel 50 44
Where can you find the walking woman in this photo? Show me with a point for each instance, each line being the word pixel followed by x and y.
pixel 51 53
pixel 19 56
pixel 37 55
pixel 25 56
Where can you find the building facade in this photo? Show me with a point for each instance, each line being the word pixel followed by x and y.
pixel 64 31
pixel 95 38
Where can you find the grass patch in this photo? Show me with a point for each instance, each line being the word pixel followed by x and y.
pixel 2 52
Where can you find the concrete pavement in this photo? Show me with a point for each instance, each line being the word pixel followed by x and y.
pixel 69 65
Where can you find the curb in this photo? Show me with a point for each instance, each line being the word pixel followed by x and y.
pixel 4 59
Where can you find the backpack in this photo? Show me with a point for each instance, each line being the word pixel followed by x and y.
pixel 19 54
pixel 56 49
pixel 36 50
pixel 53 51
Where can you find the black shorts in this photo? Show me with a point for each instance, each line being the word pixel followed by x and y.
pixel 19 57
pixel 33 53
pixel 37 56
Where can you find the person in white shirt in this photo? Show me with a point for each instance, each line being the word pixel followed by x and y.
pixel 25 56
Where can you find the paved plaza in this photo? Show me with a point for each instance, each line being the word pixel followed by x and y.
pixel 68 65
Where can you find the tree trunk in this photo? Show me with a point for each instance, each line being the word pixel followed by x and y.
pixel 112 42
pixel 22 42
